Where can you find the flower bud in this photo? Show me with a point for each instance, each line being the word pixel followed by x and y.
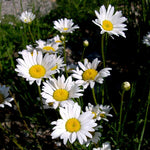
pixel 86 43
pixel 62 38
pixel 126 86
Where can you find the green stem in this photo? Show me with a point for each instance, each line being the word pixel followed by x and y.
pixel 103 93
pixel 13 139
pixel 145 121
pixel 121 107
pixel 31 33
pixel 102 49
pixel 94 97
pixel 82 54
pixel 65 61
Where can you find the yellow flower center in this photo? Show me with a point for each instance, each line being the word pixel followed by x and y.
pixel 94 115
pixel 58 41
pixel 65 29
pixel 54 68
pixel 73 125
pixel 48 48
pixel 89 74
pixel 102 115
pixel 60 95
pixel 37 71
pixel 107 25
pixel 1 98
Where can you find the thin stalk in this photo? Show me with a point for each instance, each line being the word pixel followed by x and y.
pixel 103 93
pixel 65 61
pixel 145 121
pixel 94 97
pixel 102 49
pixel 121 108
pixel 31 33
pixel 83 54
pixel 13 139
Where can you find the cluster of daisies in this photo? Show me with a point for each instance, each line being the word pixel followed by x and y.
pixel 44 65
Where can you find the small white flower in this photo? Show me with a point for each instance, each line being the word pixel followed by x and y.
pixel 59 63
pixel 56 39
pixel 47 47
pixel 146 39
pixel 27 17
pixel 60 91
pixel 73 125
pixel 105 146
pixel 65 25
pixel 35 67
pixel 95 138
pixel 94 109
pixel 29 48
pixel 104 112
pixel 109 22
pixel 89 75
pixel 4 99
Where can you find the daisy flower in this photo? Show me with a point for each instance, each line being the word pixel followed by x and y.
pixel 65 25
pixel 35 67
pixel 27 17
pixel 56 39
pixel 89 75
pixel 4 99
pixel 105 146
pixel 95 136
pixel 104 112
pixel 94 109
pixel 73 125
pixel 29 48
pixel 146 39
pixel 60 91
pixel 109 22
pixel 59 63
pixel 47 47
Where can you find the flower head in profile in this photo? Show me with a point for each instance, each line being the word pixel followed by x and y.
pixel 60 91
pixel 29 48
pixel 47 47
pixel 35 67
pixel 94 109
pixel 109 22
pixel 74 125
pixel 59 63
pixel 89 74
pixel 104 112
pixel 65 25
pixel 4 96
pixel 27 17
pixel 105 146
pixel 56 39
pixel 146 39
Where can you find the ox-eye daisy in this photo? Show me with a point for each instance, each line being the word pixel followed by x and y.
pixel 104 112
pixel 4 99
pixel 27 17
pixel 47 47
pixel 94 109
pixel 35 67
pixel 89 75
pixel 73 124
pixel 110 22
pixel 65 25
pixel 105 146
pixel 60 91
pixel 59 63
